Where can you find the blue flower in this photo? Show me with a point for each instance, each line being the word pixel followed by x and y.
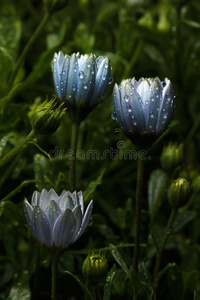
pixel 80 81
pixel 57 220
pixel 143 109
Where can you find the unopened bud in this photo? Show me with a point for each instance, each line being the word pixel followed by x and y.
pixel 171 156
pixel 95 268
pixel 46 117
pixel 178 192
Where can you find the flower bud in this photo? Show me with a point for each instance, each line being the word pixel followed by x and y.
pixel 95 267
pixel 178 192
pixel 54 5
pixel 46 117
pixel 171 156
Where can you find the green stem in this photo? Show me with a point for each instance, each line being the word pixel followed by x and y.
pixel 27 48
pixel 54 269
pixel 140 174
pixel 162 247
pixel 20 147
pixel 74 141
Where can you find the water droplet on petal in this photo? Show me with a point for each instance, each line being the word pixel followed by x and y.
pixel 126 98
pixel 106 66
pixel 110 80
pixel 85 86
pixel 103 77
pixel 81 74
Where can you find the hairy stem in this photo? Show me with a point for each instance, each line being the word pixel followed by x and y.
pixel 139 189
pixel 74 141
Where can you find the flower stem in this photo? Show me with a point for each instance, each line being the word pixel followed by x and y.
pixel 54 269
pixel 20 147
pixel 74 141
pixel 140 173
pixel 27 48
pixel 164 241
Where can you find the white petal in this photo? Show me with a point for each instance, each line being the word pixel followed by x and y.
pixel 64 229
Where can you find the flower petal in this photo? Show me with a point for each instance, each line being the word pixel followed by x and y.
pixel 28 212
pixel 42 226
pixel 85 220
pixel 53 211
pixel 35 198
pixel 102 75
pixel 57 69
pixel 64 229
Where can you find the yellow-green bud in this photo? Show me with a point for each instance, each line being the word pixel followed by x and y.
pixel 45 118
pixel 95 268
pixel 178 192
pixel 54 5
pixel 171 156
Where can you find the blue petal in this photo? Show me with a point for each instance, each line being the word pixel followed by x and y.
pixel 81 201
pixel 64 229
pixel 28 212
pixel 53 212
pixel 64 76
pixel 85 221
pixel 137 109
pixel 85 84
pixel 72 78
pixel 44 199
pixel 66 201
pixel 166 107
pixel 118 111
pixel 102 75
pixel 42 226
pixel 156 89
pixel 78 217
pixel 57 69
pixel 35 198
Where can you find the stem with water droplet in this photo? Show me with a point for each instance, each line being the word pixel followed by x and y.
pixel 162 246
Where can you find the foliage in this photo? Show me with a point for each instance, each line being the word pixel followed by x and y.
pixel 142 39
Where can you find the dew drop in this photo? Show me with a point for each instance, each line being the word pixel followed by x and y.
pixel 126 98
pixel 110 80
pixel 85 86
pixel 81 74
pixel 135 123
pixel 106 66
pixel 88 65
pixel 113 116
pixel 104 77
pixel 152 116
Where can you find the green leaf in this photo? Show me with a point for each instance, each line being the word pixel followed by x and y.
pixel 88 194
pixel 183 217
pixel 156 190
pixel 10 211
pixel 164 270
pixel 108 284
pixel 117 256
pixel 21 289
pixel 82 285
